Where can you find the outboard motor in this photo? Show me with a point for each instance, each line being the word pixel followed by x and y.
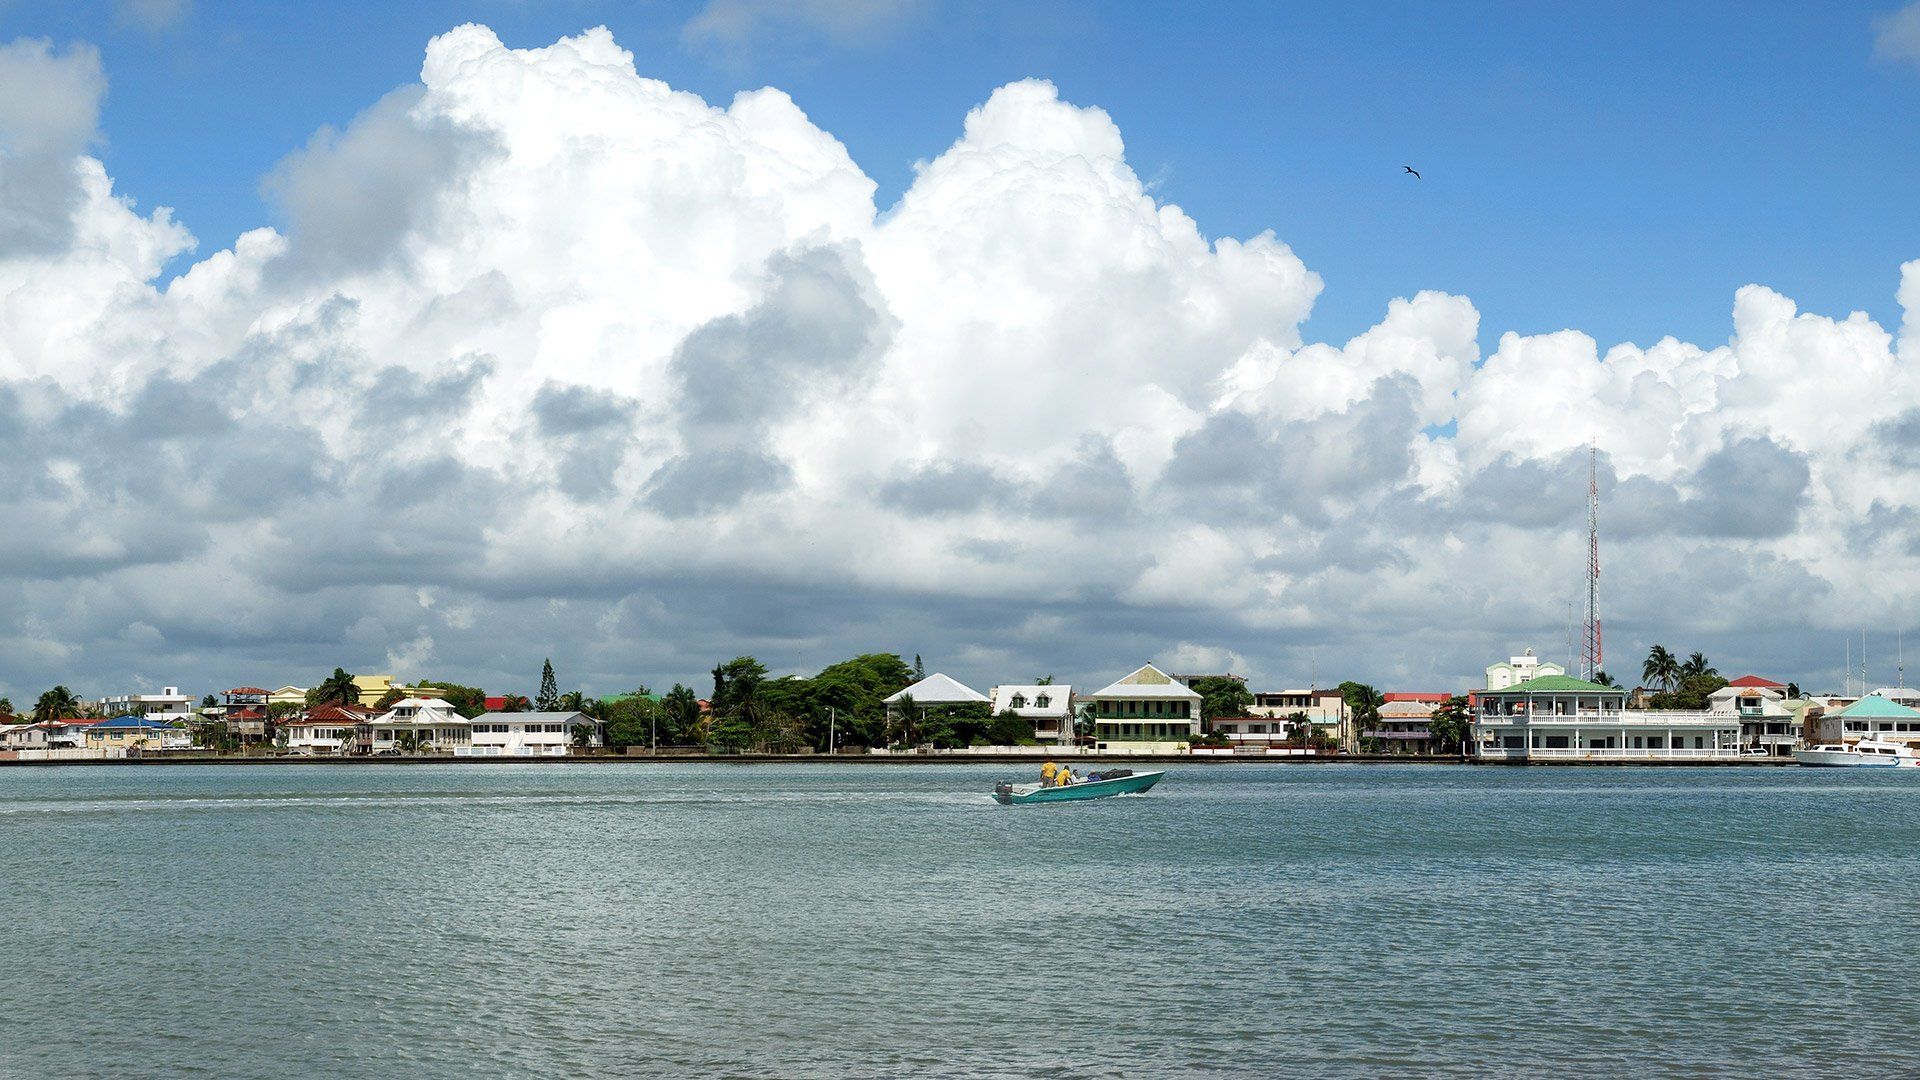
pixel 1003 791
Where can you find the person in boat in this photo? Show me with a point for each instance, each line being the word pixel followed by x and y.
pixel 1047 773
pixel 1065 775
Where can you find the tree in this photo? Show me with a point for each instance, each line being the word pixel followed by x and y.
pixel 682 711
pixel 635 720
pixel 1696 666
pixel 1009 729
pixel 1660 669
pixel 730 678
pixel 336 689
pixel 919 669
pixel 1793 692
pixel 582 735
pixel 548 700
pixel 1693 693
pixel 208 701
pixel 1602 678
pixel 389 699
pixel 1299 727
pixel 573 701
pixel 1363 704
pixel 1452 724
pixel 515 703
pixel 1222 696
pixel 6 706
pixel 56 704
pixel 468 701
pixel 906 708
pixel 1044 680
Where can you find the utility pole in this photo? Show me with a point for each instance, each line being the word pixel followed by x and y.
pixel 833 720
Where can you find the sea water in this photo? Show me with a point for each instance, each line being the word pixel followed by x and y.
pixel 868 920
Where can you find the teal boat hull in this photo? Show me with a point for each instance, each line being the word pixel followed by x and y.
pixel 1086 789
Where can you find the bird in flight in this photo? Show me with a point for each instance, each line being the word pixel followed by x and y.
pixel 1411 169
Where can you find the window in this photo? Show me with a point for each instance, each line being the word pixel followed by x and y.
pixel 1042 701
pixel 1559 742
pixel 1019 701
pixel 1699 742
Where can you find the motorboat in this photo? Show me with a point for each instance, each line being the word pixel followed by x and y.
pixel 1865 754
pixel 1096 786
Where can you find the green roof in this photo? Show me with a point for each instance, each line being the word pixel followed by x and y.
pixel 1556 684
pixel 1873 706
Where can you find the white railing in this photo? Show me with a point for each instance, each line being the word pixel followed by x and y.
pixel 1633 752
pixel 1635 717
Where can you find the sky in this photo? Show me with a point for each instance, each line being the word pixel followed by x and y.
pixel 1035 339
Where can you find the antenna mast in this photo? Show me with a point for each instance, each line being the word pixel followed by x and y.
pixel 1591 658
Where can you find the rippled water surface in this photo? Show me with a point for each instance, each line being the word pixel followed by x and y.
pixel 635 920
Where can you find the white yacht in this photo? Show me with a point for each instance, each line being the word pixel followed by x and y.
pixel 1867 753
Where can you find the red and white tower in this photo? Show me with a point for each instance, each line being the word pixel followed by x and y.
pixel 1591 657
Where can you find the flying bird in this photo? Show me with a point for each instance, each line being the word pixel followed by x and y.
pixel 1411 169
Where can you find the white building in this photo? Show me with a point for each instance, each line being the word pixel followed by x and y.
pixel 168 706
pixel 934 691
pixel 329 729
pixel 527 734
pixel 424 725
pixel 1048 708
pixel 1518 669
pixel 1326 710
pixel 1147 712
pixel 1760 707
pixel 1553 717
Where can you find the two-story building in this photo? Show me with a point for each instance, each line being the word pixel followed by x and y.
pixel 137 733
pixel 1325 711
pixel 530 734
pixel 420 725
pixel 1556 717
pixel 168 706
pixel 1147 712
pixel 331 729
pixel 1518 669
pixel 1767 725
pixel 1048 708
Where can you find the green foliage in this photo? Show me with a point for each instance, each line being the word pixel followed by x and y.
pixel 208 701
pixel 733 678
pixel 682 710
pixel 56 704
pixel 1692 693
pixel 634 720
pixel 1009 729
pixel 1451 724
pixel 468 701
pixel 389 699
pixel 1363 702
pixel 6 705
pixel 548 700
pixel 1695 667
pixel 515 703
pixel 1660 669
pixel 1223 696
pixel 1043 680
pixel 335 689
pixel 1602 678
pixel 1793 692
pixel 1299 727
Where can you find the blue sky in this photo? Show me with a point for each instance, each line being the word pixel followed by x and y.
pixel 1617 168
pixel 669 391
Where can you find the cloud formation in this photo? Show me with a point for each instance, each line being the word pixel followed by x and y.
pixel 1896 35
pixel 550 358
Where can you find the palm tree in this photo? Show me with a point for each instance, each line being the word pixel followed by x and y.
pixel 1660 669
pixel 1602 678
pixel 56 704
pixel 906 707
pixel 1696 665
pixel 573 701
pixel 336 689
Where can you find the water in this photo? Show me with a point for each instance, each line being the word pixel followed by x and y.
pixel 430 921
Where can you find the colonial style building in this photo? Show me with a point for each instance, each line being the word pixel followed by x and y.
pixel 529 734
pixel 1146 712
pixel 1555 717
pixel 1048 708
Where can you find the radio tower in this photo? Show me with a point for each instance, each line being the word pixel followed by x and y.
pixel 1590 654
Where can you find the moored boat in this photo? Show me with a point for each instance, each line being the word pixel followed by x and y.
pixel 1095 786
pixel 1865 754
